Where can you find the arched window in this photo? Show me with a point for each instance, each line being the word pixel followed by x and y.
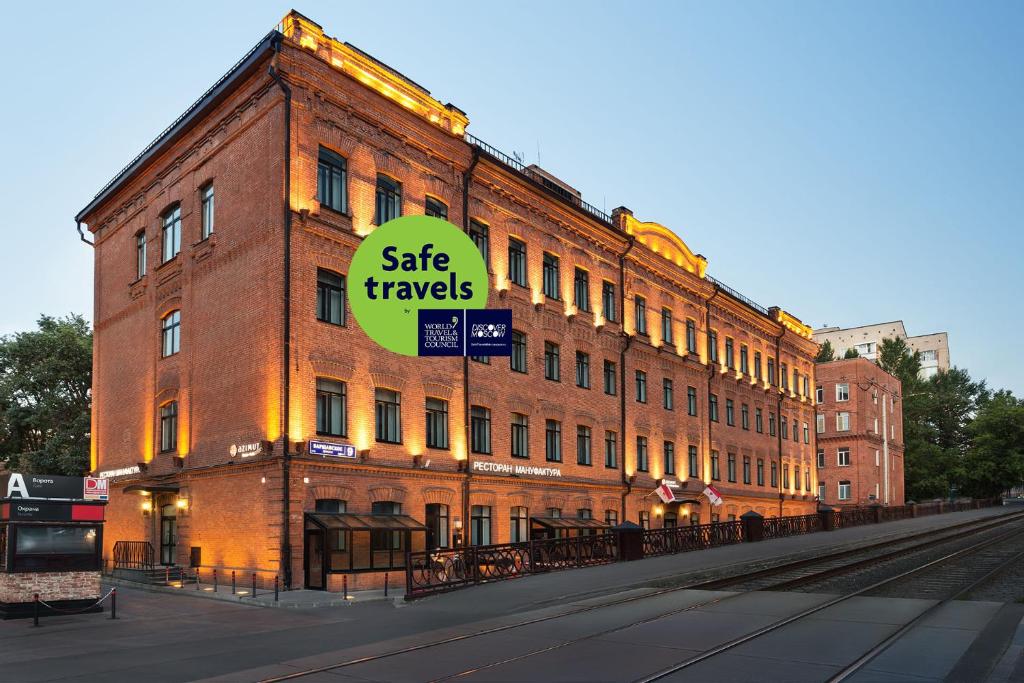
pixel 170 327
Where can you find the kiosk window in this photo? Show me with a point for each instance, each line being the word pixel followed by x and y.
pixel 56 540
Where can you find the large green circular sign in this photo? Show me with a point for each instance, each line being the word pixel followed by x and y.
pixel 410 263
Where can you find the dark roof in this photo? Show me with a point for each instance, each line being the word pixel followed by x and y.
pixel 354 522
pixel 152 488
pixel 209 99
pixel 569 523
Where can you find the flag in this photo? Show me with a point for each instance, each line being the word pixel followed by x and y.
pixel 666 494
pixel 712 493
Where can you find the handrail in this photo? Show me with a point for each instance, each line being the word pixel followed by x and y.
pixel 133 555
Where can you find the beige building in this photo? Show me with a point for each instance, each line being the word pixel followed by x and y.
pixel 866 339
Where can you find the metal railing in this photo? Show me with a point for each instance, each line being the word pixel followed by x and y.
pixel 736 295
pixel 693 537
pixel 780 527
pixel 856 516
pixel 133 555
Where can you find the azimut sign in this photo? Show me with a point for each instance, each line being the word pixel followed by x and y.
pixel 488 467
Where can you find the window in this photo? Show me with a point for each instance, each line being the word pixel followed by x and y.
pixel 669 452
pixel 583 445
pixel 516 262
pixel 843 457
pixel 480 429
pixel 169 427
pixel 745 417
pixel 691 401
pixel 785 476
pixel 389 415
pixel 519 525
pixel 713 346
pixel 437 525
pixel 775 475
pixel 553 441
pixel 819 423
pixel 760 471
pixel 797 482
pixel 437 423
pixel 608 301
pixel 480 525
pixel 609 377
pixel 784 376
pixel 666 325
pixel 170 327
pixel 693 466
pixel 716 473
pixel 435 207
pixel 330 505
pixel 332 181
pixel 331 407
pixel 140 254
pixel 807 480
pixel 731 466
pixel 796 431
pixel 821 458
pixel 641 454
pixel 771 424
pixel 730 412
pixel 730 357
pixel 520 436
pixel 757 365
pixel 772 379
pixel 640 314
pixel 641 386
pixel 486 360
pixel 582 370
pixel 713 407
pixel 784 424
pixel 611 517
pixel 843 392
pixel 389 200
pixel 330 297
pixel 171 233
pixel 758 421
pixel 807 433
pixel 691 336
pixel 821 490
pixel 480 234
pixel 842 422
pixel 551 276
pixel 844 490
pixel 206 211
pixel 744 360
pixel 645 519
pixel 819 395
pixel 551 366
pixel 807 386
pixel 611 450
pixel 667 398
pixel 581 289
pixel 517 360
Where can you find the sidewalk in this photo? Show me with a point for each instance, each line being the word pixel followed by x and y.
pixel 296 599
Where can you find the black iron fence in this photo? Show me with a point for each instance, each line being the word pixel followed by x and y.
pixel 133 555
pixel 780 527
pixel 694 537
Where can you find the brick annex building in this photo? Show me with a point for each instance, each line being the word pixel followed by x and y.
pixel 226 363
pixel 860 434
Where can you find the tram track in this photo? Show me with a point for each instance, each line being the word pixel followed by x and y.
pixel 793 573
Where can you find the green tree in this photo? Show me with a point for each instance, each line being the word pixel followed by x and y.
pixel 851 353
pixel 826 353
pixel 45 382
pixel 896 358
pixel 995 461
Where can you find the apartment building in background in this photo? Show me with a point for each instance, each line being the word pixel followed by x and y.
pixel 866 339
pixel 859 425
pixel 241 413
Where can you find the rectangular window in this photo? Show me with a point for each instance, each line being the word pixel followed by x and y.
pixel 437 423
pixel 330 297
pixel 480 525
pixel 821 491
pixel 581 289
pixel 611 517
pixel 641 453
pixel 744 360
pixel 171 233
pixel 389 415
pixel 730 412
pixel 481 236
pixel 553 441
pixel 170 328
pixel 713 407
pixel 842 422
pixel 797 481
pixel 206 211
pixel 807 480
pixel 716 473
pixel 757 365
pixel 844 490
pixel 389 200
pixel 480 429
pixel 519 525
pixel 608 301
pixel 691 401
pixel 691 336
pixel 645 519
pixel 731 466
pixel 517 361
pixel 332 181
pixel 842 392
pixel 169 427
pixel 771 424
pixel 745 416
pixel 806 386
pixel 516 262
pixel 807 433
pixel 552 369
pixel 713 346
pixel 760 471
pixel 641 386
pixel 486 360
pixel 821 458
pixel 784 424
pixel 140 254
pixel 772 379
pixel 667 397
pixel 666 326
pixel 583 370
pixel 693 466
pixel 583 445
pixel 843 457
pixel 669 452
pixel 785 475
pixel 435 207
pixel 730 356
pixel 611 450
pixel 609 377
pixel 819 423
pixel 640 314
pixel 331 407
pixel 520 436
pixel 784 376
pixel 551 277
pixel 819 395
pixel 758 420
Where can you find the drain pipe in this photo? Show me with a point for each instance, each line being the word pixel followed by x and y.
pixel 286 547
pixel 778 410
pixel 467 178
pixel 627 486
pixel 711 373
pixel 81 235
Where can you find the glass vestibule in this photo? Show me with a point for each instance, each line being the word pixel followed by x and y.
pixel 350 542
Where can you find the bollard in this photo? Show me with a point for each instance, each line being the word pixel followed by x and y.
pixel 344 586
pixel 232 581
pixel 275 587
pixel 167 576
pixel 215 580
pixel 35 610
pixel 197 578
pixel 113 603
pixel 386 584
pixel 253 594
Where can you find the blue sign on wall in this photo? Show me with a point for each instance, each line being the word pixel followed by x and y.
pixel 458 332
pixel 331 450
pixel 489 332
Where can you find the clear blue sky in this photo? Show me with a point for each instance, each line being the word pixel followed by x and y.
pixel 850 162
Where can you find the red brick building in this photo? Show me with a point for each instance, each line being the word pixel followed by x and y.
pixel 860 434
pixel 225 359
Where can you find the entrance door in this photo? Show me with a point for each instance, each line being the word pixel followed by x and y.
pixel 314 559
pixel 168 533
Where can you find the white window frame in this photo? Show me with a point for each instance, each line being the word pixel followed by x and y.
pixel 819 423
pixel 842 392
pixel 819 395
pixel 839 457
pixel 842 422
pixel 849 490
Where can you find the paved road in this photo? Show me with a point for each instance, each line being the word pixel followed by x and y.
pixel 162 637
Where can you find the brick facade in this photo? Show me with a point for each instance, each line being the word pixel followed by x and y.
pixel 21 587
pixel 228 379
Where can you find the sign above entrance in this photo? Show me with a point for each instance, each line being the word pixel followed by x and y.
pixel 330 449
pixel 489 467
pixel 119 472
